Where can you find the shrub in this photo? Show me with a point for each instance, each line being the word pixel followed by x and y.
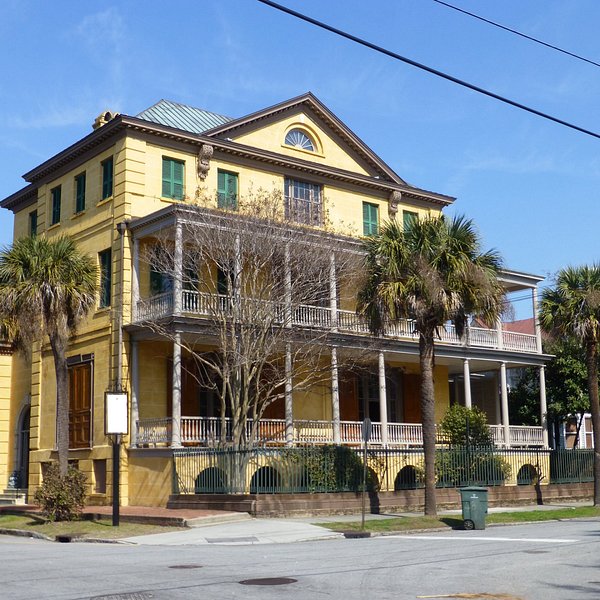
pixel 457 467
pixel 61 497
pixel 462 426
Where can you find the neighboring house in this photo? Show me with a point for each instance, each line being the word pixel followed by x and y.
pixel 134 178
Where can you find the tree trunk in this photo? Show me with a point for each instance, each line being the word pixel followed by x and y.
pixel 591 357
pixel 426 356
pixel 58 345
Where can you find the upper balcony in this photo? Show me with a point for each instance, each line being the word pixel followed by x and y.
pixel 210 306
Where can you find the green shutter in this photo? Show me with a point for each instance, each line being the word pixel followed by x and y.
pixel 227 190
pixel 177 180
pixel 370 219
pixel 56 200
pixel 33 223
pixel 107 178
pixel 172 179
pixel 166 178
pixel 80 193
pixel 408 217
pixel 105 278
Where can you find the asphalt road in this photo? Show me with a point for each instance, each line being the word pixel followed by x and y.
pixel 547 561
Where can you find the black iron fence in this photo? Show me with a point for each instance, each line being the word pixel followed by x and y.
pixel 340 469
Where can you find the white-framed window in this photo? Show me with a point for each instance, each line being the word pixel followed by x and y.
pixel 303 202
pixel 299 139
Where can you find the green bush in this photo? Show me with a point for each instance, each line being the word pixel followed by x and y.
pixel 61 498
pixel 331 469
pixel 462 426
pixel 457 467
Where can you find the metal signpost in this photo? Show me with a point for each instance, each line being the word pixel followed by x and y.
pixel 367 429
pixel 116 424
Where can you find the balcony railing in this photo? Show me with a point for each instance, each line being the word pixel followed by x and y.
pixel 210 431
pixel 305 315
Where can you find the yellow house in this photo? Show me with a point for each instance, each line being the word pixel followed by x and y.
pixel 139 183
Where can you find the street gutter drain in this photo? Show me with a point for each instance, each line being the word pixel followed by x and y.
pixel 185 566
pixel 268 581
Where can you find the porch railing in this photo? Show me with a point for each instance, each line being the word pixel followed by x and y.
pixel 317 469
pixel 210 431
pixel 305 315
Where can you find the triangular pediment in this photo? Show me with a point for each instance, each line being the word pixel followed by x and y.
pixel 333 143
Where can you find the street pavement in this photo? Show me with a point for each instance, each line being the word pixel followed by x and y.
pixel 283 531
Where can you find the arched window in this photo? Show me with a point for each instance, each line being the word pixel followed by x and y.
pixel 299 139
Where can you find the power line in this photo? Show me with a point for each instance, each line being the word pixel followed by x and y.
pixel 523 35
pixel 431 70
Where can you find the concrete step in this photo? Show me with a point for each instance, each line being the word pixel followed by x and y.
pixel 226 517
pixel 12 497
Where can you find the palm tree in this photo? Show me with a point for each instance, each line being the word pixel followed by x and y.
pixel 431 272
pixel 46 287
pixel 571 309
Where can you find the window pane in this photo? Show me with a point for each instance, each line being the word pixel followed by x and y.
pixel 303 202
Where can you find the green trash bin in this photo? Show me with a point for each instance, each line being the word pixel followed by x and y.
pixel 474 501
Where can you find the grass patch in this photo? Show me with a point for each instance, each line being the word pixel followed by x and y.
pixel 399 524
pixel 87 529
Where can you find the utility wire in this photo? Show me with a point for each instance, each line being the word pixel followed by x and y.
pixel 423 67
pixel 523 35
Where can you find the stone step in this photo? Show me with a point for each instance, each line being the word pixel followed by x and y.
pixel 13 497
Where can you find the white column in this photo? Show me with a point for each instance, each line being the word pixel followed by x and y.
pixel 135 279
pixel 335 397
pixel 288 286
pixel 383 401
pixel 499 334
pixel 467 382
pixel 333 293
pixel 178 269
pixel 176 393
pixel 543 406
pixel 504 403
pixel 536 320
pixel 135 386
pixel 289 405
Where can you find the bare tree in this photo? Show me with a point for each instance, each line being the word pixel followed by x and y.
pixel 264 288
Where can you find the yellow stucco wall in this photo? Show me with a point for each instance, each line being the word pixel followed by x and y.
pixel 5 413
pixel 137 192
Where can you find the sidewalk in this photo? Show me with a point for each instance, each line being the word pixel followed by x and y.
pixel 199 527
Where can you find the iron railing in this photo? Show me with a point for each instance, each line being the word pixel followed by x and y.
pixel 339 469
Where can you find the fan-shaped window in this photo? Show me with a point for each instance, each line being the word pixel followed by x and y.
pixel 298 139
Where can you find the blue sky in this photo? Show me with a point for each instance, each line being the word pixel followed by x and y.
pixel 531 186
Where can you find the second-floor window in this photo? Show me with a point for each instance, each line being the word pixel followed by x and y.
pixel 80 193
pixel 56 200
pixel 105 259
pixel 408 217
pixel 33 223
pixel 227 192
pixel 370 219
pixel 303 202
pixel 172 178
pixel 107 178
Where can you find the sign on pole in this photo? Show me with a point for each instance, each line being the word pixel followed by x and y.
pixel 116 414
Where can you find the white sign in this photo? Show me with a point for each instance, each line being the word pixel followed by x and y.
pixel 116 413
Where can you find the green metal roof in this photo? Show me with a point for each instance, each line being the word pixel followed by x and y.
pixel 181 116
